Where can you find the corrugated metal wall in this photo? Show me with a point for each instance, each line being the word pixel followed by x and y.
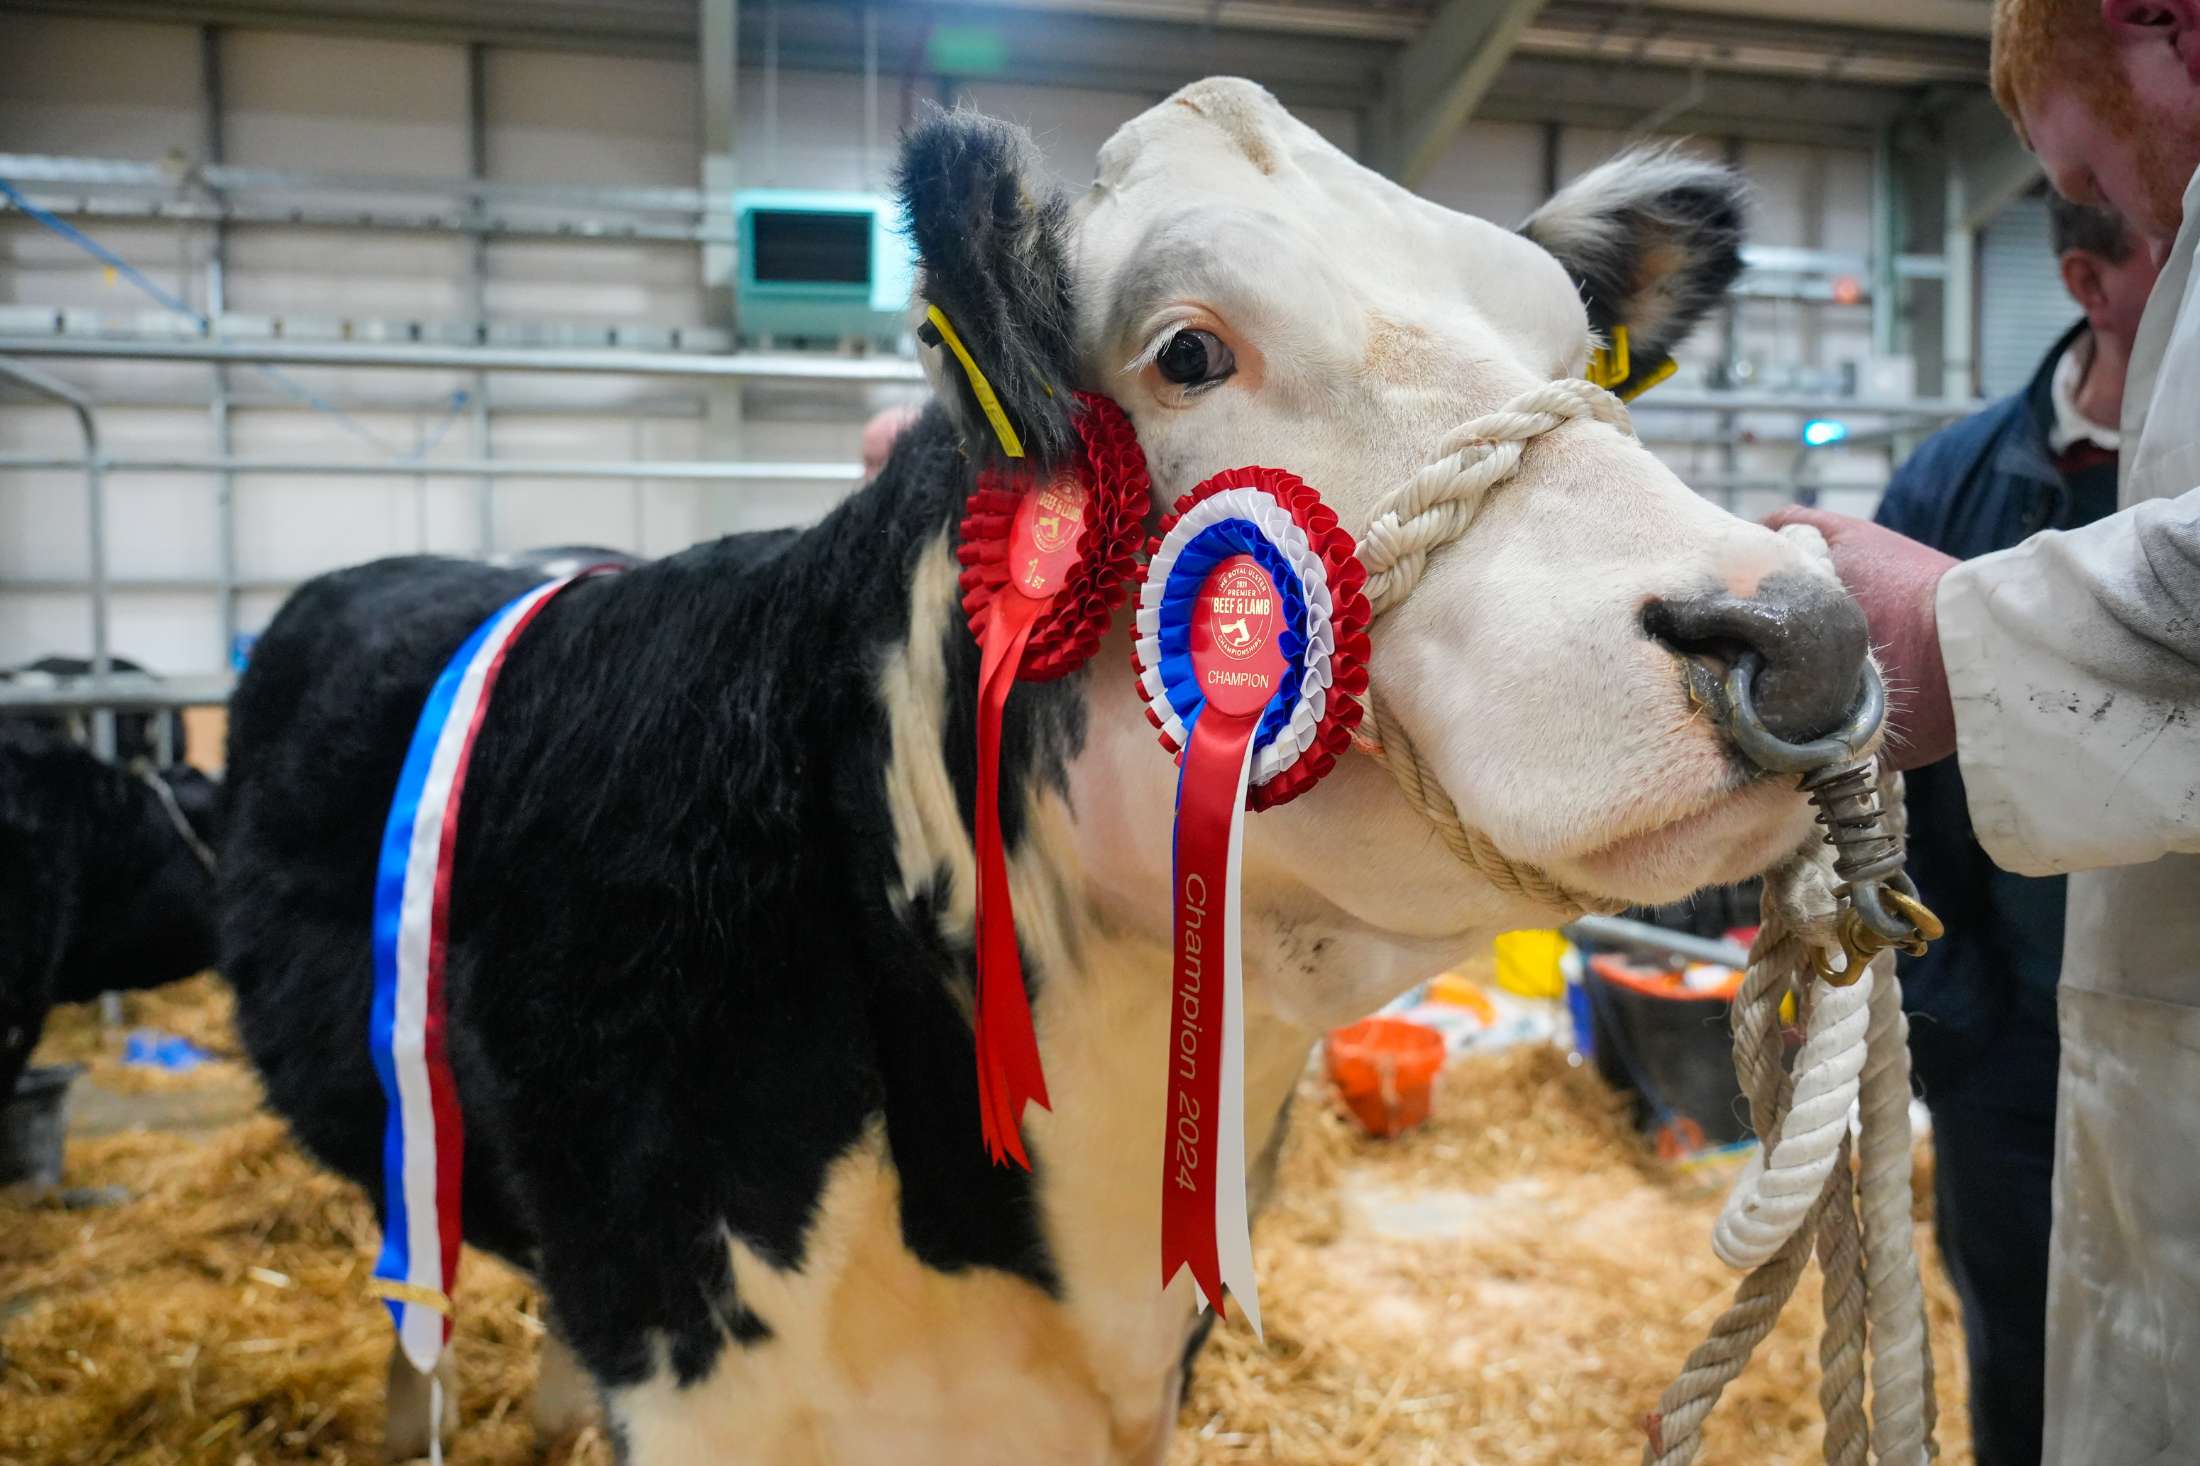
pixel 316 102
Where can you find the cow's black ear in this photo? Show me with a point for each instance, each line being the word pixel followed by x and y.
pixel 1653 238
pixel 992 238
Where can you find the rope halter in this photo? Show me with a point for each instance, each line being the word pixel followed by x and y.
pixel 1421 516
pixel 176 817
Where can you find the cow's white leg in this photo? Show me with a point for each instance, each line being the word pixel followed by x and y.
pixel 405 1407
pixel 565 1394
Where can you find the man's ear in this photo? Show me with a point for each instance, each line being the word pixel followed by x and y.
pixel 2081 276
pixel 1653 239
pixel 992 238
pixel 2174 21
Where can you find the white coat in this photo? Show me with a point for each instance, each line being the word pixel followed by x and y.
pixel 2074 661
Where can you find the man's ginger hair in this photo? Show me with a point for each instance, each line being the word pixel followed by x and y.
pixel 2035 40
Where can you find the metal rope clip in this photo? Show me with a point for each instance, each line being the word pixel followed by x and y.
pixel 1880 908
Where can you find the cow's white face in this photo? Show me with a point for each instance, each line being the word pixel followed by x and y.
pixel 1251 295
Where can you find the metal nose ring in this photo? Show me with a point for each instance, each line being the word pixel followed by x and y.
pixel 1776 755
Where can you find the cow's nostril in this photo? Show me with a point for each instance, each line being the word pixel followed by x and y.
pixel 1810 634
pixel 1691 639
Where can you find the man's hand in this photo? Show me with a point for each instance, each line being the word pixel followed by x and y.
pixel 1895 579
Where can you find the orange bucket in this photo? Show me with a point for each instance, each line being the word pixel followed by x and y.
pixel 1383 1069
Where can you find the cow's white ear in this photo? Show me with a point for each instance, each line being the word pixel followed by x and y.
pixel 1653 238
pixel 992 238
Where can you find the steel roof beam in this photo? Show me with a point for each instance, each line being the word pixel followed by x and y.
pixel 1432 86
pixel 1987 165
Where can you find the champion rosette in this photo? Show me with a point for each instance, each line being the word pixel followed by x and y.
pixel 1251 654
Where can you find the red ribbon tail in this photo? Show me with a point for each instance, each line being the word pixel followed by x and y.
pixel 1210 795
pixel 1010 1073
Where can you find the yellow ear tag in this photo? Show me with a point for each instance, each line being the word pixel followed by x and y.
pixel 1609 365
pixel 989 404
pixel 1671 366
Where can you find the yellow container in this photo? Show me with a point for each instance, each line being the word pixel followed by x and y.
pixel 1528 964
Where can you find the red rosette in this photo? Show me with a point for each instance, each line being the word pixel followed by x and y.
pixel 1112 468
pixel 1070 544
pixel 1350 615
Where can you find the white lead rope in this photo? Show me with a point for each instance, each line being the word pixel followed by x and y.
pixel 1782 1181
pixel 1801 1192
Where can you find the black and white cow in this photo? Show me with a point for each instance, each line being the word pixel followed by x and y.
pixel 100 890
pixel 710 974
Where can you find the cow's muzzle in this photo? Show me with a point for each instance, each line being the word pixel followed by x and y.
pixel 1803 640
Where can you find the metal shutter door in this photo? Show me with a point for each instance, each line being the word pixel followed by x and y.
pixel 2022 305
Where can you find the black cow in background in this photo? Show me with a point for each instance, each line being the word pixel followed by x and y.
pixel 100 888
pixel 104 885
pixel 137 735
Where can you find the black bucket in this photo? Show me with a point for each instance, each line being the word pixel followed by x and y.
pixel 32 1124
pixel 1673 1050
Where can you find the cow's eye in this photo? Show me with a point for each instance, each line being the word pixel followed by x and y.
pixel 1195 359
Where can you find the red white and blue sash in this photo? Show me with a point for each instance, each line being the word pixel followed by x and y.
pixel 423 1143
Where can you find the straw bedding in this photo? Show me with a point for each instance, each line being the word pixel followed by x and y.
pixel 1512 1284
pixel 197 1010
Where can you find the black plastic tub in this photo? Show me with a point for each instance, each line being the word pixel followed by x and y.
pixel 32 1124
pixel 1672 1049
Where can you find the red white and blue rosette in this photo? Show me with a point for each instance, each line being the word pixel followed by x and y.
pixel 1282 522
pixel 1251 654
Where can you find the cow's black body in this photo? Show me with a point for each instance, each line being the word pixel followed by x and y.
pixel 98 890
pixel 680 981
